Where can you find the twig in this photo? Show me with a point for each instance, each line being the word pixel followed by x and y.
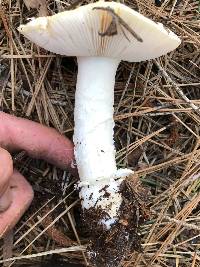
pixel 50 252
pixel 7 246
pixel 179 91
pixel 117 20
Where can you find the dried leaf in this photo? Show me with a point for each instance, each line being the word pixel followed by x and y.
pixel 40 5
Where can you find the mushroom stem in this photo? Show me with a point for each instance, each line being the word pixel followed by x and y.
pixel 93 136
pixel 93 133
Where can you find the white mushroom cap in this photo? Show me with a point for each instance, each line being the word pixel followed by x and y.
pixel 78 33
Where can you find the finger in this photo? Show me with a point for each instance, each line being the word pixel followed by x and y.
pixel 5 200
pixel 39 141
pixel 6 169
pixel 22 195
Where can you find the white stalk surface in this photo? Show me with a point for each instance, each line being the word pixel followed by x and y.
pixel 93 135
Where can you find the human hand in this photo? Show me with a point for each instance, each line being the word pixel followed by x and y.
pixel 39 142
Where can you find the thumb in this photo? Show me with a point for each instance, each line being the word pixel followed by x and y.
pixel 21 195
pixel 5 200
pixel 6 170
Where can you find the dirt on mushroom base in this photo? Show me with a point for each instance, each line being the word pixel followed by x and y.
pixel 109 247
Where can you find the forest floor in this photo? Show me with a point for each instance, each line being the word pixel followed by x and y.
pixel 157 134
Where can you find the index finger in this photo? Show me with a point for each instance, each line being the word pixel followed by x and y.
pixel 37 140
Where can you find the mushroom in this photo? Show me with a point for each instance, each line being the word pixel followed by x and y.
pixel 100 35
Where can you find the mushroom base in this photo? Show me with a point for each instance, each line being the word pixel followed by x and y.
pixel 108 247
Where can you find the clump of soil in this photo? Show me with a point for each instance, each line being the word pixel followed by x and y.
pixel 109 247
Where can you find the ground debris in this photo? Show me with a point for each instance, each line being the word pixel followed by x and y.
pixel 172 180
pixel 40 5
pixel 109 247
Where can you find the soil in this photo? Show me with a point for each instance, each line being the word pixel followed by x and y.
pixel 50 264
pixel 108 248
